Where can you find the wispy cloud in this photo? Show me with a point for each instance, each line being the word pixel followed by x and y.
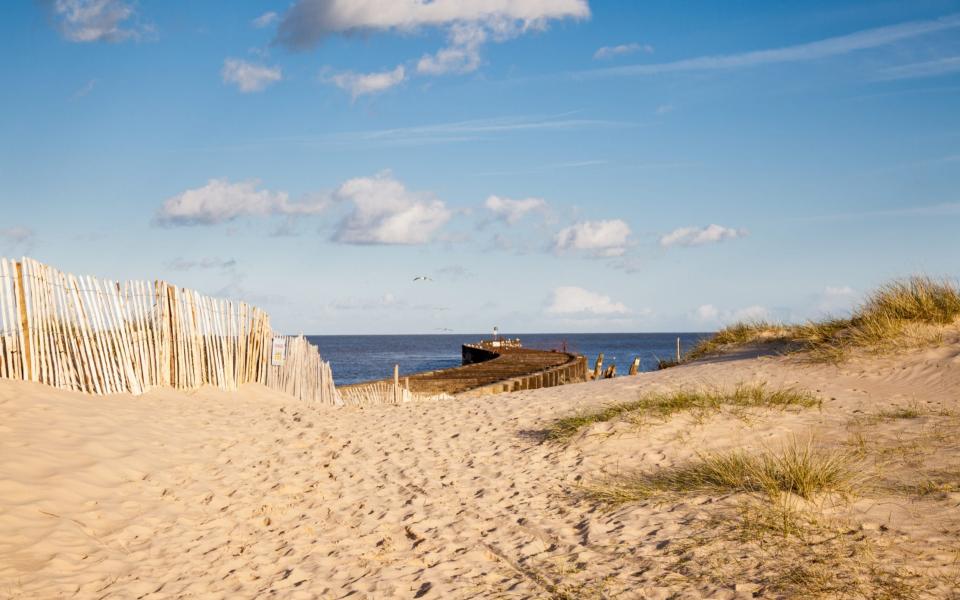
pixel 607 52
pixel 699 236
pixel 834 46
pixel 930 68
pixel 446 133
pixel 363 84
pixel 265 20
pixel 945 209
pixel 85 89
pixel 570 164
pixel 190 264
pixel 17 240
pixel 511 212
pixel 249 77
pixel 478 129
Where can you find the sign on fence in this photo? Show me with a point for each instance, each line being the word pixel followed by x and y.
pixel 279 353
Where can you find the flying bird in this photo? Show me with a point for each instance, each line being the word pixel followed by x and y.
pixel 422 278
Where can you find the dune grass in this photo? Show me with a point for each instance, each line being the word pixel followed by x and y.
pixel 798 468
pixel 666 404
pixel 902 313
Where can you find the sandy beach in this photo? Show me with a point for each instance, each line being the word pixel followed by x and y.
pixel 253 494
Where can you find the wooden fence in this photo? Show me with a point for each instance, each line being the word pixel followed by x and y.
pixel 105 337
pixel 384 392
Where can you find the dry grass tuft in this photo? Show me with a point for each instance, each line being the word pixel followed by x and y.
pixel 665 405
pixel 901 314
pixel 799 468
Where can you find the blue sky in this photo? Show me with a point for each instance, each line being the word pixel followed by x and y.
pixel 551 165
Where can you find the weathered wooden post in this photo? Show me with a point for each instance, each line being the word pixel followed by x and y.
pixel 24 325
pixel 597 369
pixel 635 367
pixel 396 383
pixel 678 349
pixel 611 372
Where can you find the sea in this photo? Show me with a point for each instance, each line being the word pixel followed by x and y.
pixel 356 358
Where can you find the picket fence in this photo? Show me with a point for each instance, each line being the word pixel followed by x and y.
pixel 383 392
pixel 106 337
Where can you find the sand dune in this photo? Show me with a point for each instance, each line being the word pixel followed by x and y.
pixel 219 495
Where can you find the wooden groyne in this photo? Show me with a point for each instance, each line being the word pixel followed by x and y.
pixel 489 369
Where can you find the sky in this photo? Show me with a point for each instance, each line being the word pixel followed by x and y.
pixel 540 165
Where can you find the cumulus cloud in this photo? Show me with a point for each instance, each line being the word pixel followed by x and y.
pixel 265 20
pixel 361 84
pixel 16 240
pixel 220 201
pixel 606 52
pixel 572 301
pixel 94 20
pixel 308 22
pixel 599 238
pixel 249 77
pixel 468 24
pixel 698 236
pixel 385 212
pixel 512 211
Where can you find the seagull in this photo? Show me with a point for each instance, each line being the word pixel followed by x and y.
pixel 422 278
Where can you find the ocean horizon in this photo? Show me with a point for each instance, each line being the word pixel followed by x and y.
pixel 357 358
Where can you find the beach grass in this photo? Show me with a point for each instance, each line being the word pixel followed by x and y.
pixel 799 468
pixel 703 401
pixel 901 314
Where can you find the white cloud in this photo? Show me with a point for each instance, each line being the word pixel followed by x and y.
pixel 360 84
pixel 469 24
pixel 698 236
pixel 576 301
pixel 512 211
pixel 930 68
pixel 606 52
pixel 836 299
pixel 835 46
pixel 385 212
pixel 16 240
pixel 265 20
pixel 309 21
pixel 461 55
pixel 94 20
pixel 600 238
pixel 475 129
pixel 220 201
pixel 249 77
pixel 710 314
pixel 664 109
pixel 188 264
pixel 707 313
pixel 751 313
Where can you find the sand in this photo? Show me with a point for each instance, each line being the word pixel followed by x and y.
pixel 252 494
